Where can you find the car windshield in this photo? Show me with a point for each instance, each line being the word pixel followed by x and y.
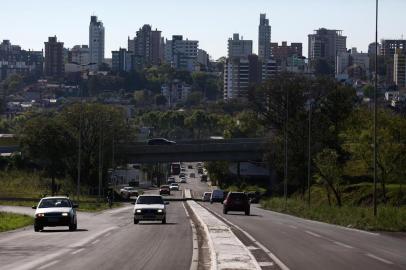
pixel 150 200
pixel 53 203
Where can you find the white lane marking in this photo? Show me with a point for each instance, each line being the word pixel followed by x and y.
pixel 77 251
pixel 378 258
pixel 315 222
pixel 265 264
pixel 48 265
pixel 293 227
pixel 342 244
pixel 252 248
pixel 195 254
pixel 281 265
pixel 107 234
pixel 95 241
pixel 313 234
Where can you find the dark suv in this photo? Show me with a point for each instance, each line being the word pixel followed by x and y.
pixel 236 201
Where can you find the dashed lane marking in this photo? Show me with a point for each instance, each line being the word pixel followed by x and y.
pixel 342 244
pixel 313 234
pixel 265 264
pixel 48 265
pixel 252 248
pixel 95 241
pixel 378 258
pixel 292 226
pixel 77 251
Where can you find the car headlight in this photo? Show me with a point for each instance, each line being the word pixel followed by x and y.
pixel 39 215
pixel 160 210
pixel 65 214
pixel 138 211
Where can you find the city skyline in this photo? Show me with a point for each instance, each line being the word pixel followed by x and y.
pixel 71 25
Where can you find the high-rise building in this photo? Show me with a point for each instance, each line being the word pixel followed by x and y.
pixel 399 68
pixel 203 59
pixel 79 54
pixel 372 49
pixel 14 60
pixel 242 72
pixel 239 47
pixel 122 60
pixel 283 53
pixel 96 42
pixel 54 64
pixel 181 53
pixel 264 38
pixel 325 45
pixel 389 46
pixel 147 47
pixel 352 64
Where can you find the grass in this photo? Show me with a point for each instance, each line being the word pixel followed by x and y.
pixel 9 221
pixel 26 189
pixel 389 218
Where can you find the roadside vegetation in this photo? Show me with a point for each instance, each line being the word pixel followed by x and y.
pixel 9 221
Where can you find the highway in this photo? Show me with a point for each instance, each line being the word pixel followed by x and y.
pixel 305 244
pixel 108 240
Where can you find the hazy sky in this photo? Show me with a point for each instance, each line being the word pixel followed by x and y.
pixel 29 22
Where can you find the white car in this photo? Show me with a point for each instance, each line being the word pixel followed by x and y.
pixel 174 186
pixel 127 192
pixel 55 211
pixel 150 208
pixel 206 197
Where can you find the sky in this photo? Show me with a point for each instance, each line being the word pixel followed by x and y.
pixel 29 23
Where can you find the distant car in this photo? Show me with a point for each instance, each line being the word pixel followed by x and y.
pixel 192 175
pixel 171 180
pixel 55 211
pixel 164 190
pixel 217 196
pixel 206 196
pixel 182 175
pixel 174 186
pixel 183 180
pixel 127 192
pixel 150 208
pixel 236 201
pixel 160 141
pixel 203 178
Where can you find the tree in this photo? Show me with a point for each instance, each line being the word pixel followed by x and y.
pixel 48 142
pixel 194 99
pixel 160 100
pixel 330 172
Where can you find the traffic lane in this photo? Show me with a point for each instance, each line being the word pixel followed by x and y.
pixel 147 245
pixel 300 247
pixel 24 248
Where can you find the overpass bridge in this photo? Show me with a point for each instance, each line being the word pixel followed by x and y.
pixel 196 150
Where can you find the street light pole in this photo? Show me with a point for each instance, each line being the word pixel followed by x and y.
pixel 285 184
pixel 375 108
pixel 309 161
pixel 100 157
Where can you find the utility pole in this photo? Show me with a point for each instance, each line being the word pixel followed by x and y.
pixel 79 142
pixel 285 184
pixel 100 157
pixel 375 108
pixel 309 161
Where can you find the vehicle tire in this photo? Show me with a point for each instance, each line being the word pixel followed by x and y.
pixel 247 212
pixel 38 228
pixel 73 227
pixel 136 221
pixel 211 202
pixel 164 220
pixel 225 211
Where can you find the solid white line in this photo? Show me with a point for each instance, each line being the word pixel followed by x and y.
pixel 342 244
pixel 293 227
pixel 281 265
pixel 313 234
pixel 378 258
pixel 195 253
pixel 48 265
pixel 77 251
pixel 107 234
pixel 95 241
pixel 265 264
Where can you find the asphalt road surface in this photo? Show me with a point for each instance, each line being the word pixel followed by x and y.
pixel 304 244
pixel 107 240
